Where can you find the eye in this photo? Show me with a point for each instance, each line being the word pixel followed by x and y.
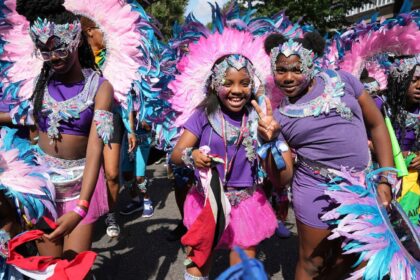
pixel 297 70
pixel 281 70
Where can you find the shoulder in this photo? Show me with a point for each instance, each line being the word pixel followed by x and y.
pixel 105 94
pixel 352 84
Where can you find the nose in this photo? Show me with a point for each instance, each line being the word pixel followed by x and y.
pixel 288 78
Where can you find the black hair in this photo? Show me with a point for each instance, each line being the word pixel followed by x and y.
pixel 312 41
pixel 396 96
pixel 54 11
pixel 211 101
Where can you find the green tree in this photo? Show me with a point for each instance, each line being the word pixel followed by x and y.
pixel 166 12
pixel 323 14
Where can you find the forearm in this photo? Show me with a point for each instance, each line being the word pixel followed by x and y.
pixel 91 171
pixel 282 177
pixel 382 144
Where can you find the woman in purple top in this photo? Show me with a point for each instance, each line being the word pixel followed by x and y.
pixel 323 119
pixel 227 124
pixel 71 107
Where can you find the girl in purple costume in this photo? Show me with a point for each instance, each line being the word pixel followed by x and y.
pixel 323 119
pixel 403 98
pixel 251 218
pixel 72 111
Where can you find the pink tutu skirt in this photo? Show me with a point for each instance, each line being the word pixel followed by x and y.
pixel 98 204
pixel 251 221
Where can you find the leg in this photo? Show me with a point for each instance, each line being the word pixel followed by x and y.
pixel 142 155
pixel 234 258
pixel 79 240
pixel 320 258
pixel 111 166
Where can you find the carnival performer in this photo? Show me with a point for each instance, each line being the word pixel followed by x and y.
pixel 188 33
pixel 134 163
pixel 403 97
pixel 220 77
pixel 112 151
pixel 71 108
pixel 323 119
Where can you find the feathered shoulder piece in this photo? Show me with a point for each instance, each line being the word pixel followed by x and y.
pixel 22 178
pixel 387 242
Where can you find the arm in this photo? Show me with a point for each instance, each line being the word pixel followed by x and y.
pixel 67 222
pixel 132 139
pixel 380 139
pixel 279 178
pixel 189 140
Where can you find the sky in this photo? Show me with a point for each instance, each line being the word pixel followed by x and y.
pixel 201 9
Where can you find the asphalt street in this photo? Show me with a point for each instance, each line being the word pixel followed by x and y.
pixel 142 251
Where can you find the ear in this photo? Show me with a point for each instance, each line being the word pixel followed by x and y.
pixel 89 32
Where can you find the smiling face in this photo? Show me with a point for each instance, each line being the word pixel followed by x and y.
pixel 413 93
pixel 289 77
pixel 236 89
pixel 61 57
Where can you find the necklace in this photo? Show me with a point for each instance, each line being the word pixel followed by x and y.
pixel 71 108
pixel 323 104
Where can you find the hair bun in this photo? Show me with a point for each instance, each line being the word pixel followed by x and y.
pixel 314 42
pixel 32 9
pixel 272 41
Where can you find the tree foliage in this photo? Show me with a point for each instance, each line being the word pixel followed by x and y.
pixel 323 14
pixel 166 12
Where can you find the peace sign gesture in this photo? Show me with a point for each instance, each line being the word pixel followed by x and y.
pixel 268 127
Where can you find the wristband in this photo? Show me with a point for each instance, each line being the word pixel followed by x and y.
pixel 83 203
pixel 80 211
pixel 187 157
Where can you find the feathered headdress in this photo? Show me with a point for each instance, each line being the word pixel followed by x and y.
pixel 367 229
pixel 367 45
pixel 233 32
pixel 130 63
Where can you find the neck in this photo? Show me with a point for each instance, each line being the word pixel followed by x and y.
pixel 412 106
pixel 74 75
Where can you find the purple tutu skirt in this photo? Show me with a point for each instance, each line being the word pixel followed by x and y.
pixel 251 221
pixel 98 204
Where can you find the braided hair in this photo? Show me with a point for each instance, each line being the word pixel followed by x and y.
pixel 53 11
pixel 396 96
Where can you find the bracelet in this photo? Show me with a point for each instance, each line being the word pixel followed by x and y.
pixel 84 203
pixel 187 157
pixel 80 211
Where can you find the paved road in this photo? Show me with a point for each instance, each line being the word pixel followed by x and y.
pixel 142 251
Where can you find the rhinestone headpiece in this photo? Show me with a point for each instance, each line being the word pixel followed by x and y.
pixel 291 47
pixel 234 60
pixel 42 30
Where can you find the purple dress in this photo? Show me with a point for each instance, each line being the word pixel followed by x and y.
pixel 329 139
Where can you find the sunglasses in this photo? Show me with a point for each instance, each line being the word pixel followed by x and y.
pixel 60 53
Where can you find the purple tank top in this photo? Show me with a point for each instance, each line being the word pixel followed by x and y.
pixel 60 92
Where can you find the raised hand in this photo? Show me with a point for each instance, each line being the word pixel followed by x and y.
pixel 268 127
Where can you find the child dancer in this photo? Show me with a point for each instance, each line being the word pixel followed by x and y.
pixel 323 120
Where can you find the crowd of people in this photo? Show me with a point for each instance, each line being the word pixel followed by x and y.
pixel 249 112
